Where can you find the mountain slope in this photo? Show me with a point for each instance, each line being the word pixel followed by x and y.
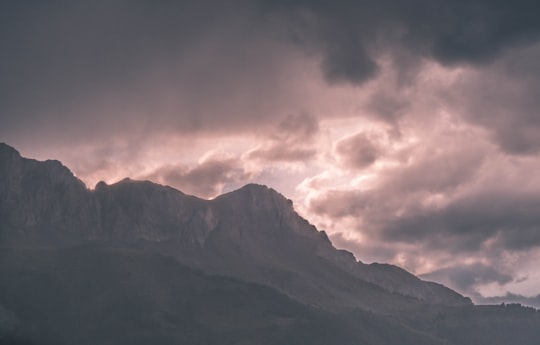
pixel 95 295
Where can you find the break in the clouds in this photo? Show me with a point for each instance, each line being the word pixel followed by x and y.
pixel 410 131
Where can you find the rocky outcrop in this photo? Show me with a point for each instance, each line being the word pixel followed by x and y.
pixel 141 210
pixel 43 200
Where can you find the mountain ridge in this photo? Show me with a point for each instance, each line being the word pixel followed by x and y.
pixel 135 262
pixel 252 233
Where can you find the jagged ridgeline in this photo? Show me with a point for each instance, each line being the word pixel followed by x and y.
pixel 137 262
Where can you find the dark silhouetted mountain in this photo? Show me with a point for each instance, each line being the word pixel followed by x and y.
pixel 137 262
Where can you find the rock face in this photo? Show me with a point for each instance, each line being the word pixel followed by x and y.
pixel 43 201
pixel 252 233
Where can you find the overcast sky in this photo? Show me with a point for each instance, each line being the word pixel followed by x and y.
pixel 409 130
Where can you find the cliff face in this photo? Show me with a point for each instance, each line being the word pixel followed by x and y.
pixel 252 233
pixel 141 210
pixel 43 200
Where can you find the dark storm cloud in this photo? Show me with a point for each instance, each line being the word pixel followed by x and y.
pixel 352 33
pixel 508 218
pixel 291 140
pixel 498 40
pixel 205 179
pixel 388 106
pixel 506 100
pixel 69 64
pixel 342 65
pixel 87 70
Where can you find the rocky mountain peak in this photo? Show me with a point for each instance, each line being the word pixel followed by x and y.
pixel 259 209
pixel 10 167
pixel 8 151
pixel 257 195
pixel 42 199
pixel 14 168
pixel 100 186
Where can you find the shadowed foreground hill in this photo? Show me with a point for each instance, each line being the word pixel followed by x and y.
pixel 140 263
pixel 93 295
pixel 96 295
pixel 252 233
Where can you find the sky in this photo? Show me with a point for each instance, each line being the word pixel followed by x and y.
pixel 408 130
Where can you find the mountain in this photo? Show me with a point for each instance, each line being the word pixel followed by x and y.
pixel 137 262
pixel 97 295
pixel 252 233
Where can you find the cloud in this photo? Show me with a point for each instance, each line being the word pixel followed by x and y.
pixel 280 152
pixel 291 141
pixel 187 66
pixel 154 69
pixel 533 301
pixel 504 98
pixel 509 219
pixel 206 179
pixel 142 69
pixel 440 199
pixel 342 65
pixel 466 278
pixel 351 34
pixel 357 151
pixel 297 127
pixel 389 106
pixel 440 207
pixel 414 175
